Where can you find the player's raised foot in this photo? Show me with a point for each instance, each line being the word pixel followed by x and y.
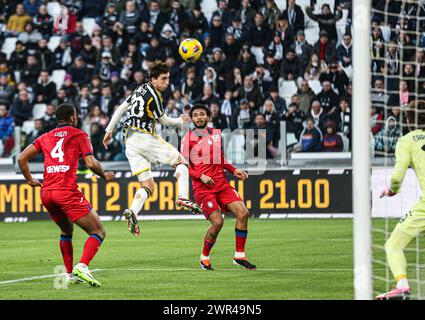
pixel 132 223
pixel 243 262
pixel 188 205
pixel 71 279
pixel 82 272
pixel 395 294
pixel 205 264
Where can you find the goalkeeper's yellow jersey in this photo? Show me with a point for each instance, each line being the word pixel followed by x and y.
pixel 410 151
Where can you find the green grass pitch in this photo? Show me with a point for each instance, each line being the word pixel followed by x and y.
pixel 296 259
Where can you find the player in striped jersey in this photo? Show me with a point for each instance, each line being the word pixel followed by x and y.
pixel 143 146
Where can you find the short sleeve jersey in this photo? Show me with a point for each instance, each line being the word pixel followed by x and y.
pixel 62 148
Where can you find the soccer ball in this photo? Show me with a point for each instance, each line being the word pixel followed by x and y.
pixel 190 50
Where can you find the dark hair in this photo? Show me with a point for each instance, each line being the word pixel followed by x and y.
pixel 157 68
pixel 64 112
pixel 200 106
pixel 415 112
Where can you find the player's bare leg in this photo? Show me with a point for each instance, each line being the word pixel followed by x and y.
pixel 216 221
pixel 147 186
pixel 65 243
pixel 91 224
pixel 241 213
pixel 182 176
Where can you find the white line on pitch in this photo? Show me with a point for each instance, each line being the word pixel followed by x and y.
pixel 174 269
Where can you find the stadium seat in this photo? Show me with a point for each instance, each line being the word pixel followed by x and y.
pixel 259 54
pixel 345 142
pixel 290 139
pixel 9 46
pixel 315 86
pixel 281 4
pixel 53 8
pixel 27 126
pixel 312 35
pixel 236 150
pixel 58 77
pixel 53 42
pixel 1 147
pixel 208 7
pixel 287 89
pixel 38 110
pixel 88 25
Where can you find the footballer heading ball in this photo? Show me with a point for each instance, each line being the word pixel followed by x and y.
pixel 190 50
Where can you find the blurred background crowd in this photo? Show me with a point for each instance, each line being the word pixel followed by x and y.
pixel 266 63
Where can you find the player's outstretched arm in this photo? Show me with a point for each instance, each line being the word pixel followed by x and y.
pixel 114 120
pixel 94 165
pixel 167 121
pixel 23 162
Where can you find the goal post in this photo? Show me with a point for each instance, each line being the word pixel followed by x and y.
pixel 362 242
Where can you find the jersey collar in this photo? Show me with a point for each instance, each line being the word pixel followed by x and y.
pixel 202 133
pixel 64 125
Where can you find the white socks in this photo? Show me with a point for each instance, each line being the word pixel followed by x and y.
pixel 205 257
pixel 183 181
pixel 138 201
pixel 402 283
pixel 239 255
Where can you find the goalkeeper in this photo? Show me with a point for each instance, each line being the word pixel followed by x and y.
pixel 410 151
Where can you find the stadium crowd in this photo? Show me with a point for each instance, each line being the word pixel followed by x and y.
pixel 252 51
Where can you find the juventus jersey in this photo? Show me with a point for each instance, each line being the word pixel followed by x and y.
pixel 145 106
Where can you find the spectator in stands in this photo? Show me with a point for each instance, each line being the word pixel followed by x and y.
pixel 108 47
pixel 311 138
pixel 262 79
pixel 271 13
pixel 95 86
pixel 172 110
pixel 154 17
pixel 243 117
pixel 313 69
pixel 83 101
pixel 305 96
pixel 62 54
pixel 260 35
pixel 61 97
pixel 216 31
pixel 109 18
pixel 96 136
pixel 155 51
pixel 68 22
pixel 106 101
pixel 49 118
pixel 218 119
pixel 334 73
pixel 302 49
pixel 378 96
pixel 285 33
pixel 18 57
pixel 69 87
pixel 386 139
pixel 16 22
pixel 32 6
pixel 290 69
pixel 117 86
pixel 208 95
pixel 378 49
pixel 34 134
pixel 231 50
pixel 294 119
pixel 6 91
pixel 21 108
pixel 278 101
pixel 219 63
pixel 95 116
pixel 93 8
pixel 223 12
pixel 6 130
pixel 391 67
pixel 197 19
pixel 246 62
pixel 30 37
pixel 239 31
pixel 250 92
pixel 31 71
pixel 328 98
pixel 228 107
pixel 210 77
pixel 105 67
pixel 43 22
pixel 376 120
pixel 344 51
pixel 294 15
pixel 332 141
pixel 263 131
pixel 246 13
pixel 272 117
pixel 45 90
pixel 409 76
pixel 191 89
pixel 327 20
pixel 420 63
pixel 325 48
pixel 44 56
pixel 318 115
pixel 79 72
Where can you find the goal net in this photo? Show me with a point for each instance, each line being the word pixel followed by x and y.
pixel 398 77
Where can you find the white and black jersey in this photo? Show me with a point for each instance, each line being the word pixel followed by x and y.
pixel 144 107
